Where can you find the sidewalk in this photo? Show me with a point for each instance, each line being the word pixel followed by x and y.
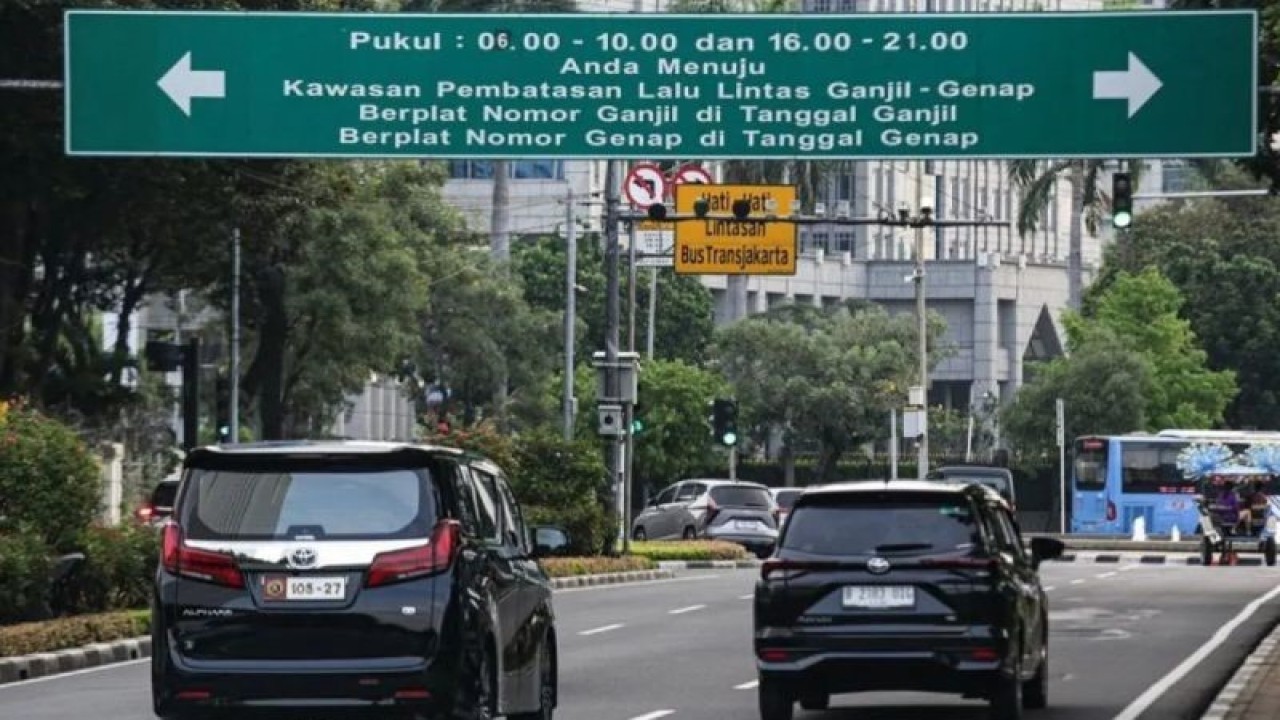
pixel 1253 693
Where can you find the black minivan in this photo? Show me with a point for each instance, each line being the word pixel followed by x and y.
pixel 389 577
pixel 902 585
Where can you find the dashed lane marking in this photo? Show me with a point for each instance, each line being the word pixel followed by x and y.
pixel 654 715
pixel 1077 581
pixel 602 629
pixel 750 596
pixel 747 685
pixel 1105 575
pixel 683 610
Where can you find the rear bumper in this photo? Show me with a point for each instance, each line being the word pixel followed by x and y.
pixel 376 684
pixel 750 541
pixel 948 667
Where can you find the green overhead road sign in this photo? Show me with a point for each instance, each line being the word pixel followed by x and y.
pixel 1141 84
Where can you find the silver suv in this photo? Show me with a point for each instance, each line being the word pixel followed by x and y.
pixel 738 512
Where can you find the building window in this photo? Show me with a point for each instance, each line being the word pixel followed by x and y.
pixel 844 241
pixel 520 170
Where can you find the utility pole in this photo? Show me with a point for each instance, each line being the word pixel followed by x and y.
pixel 234 404
pixel 629 415
pixel 570 310
pixel 922 324
pixel 612 390
pixel 653 312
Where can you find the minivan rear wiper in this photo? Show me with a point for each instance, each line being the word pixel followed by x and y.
pixel 903 547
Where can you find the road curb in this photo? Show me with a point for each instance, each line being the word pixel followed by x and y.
pixel 1130 558
pixel 708 564
pixel 611 578
pixel 29 667
pixel 1241 687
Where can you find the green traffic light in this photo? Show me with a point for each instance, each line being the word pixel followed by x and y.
pixel 1121 219
pixel 637 426
pixel 730 438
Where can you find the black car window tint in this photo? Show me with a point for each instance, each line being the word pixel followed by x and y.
pixel 1010 530
pixel 687 492
pixel 741 496
pixel 900 525
pixel 511 509
pixel 489 484
pixel 486 507
pixel 466 501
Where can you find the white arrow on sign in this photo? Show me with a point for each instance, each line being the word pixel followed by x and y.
pixel 1137 84
pixel 645 185
pixel 182 83
pixel 692 175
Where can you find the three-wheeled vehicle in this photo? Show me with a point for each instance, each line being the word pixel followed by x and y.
pixel 1236 512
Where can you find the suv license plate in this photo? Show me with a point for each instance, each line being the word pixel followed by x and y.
pixel 745 525
pixel 879 596
pixel 304 588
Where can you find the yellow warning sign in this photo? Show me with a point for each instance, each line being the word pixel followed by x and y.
pixel 720 244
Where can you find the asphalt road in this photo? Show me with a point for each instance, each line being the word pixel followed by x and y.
pixel 681 649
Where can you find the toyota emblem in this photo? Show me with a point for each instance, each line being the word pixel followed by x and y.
pixel 878 566
pixel 302 557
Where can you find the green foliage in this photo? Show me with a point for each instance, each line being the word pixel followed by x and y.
pixel 1104 385
pixel 558 567
pixel 688 550
pixel 49 481
pixel 827 376
pixel 25 564
pixel 1143 311
pixel 685 315
pixel 564 484
pixel 117 571
pixel 1224 257
pixel 676 438
pixel 64 633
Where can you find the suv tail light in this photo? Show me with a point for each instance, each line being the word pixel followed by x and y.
pixel 958 563
pixel 213 567
pixel 145 513
pixel 415 562
pixel 773 565
pixel 712 510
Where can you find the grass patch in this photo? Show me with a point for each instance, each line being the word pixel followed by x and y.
pixel 688 550
pixel 574 566
pixel 71 632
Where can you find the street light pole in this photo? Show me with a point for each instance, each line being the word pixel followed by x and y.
pixel 234 400
pixel 570 310
pixel 612 386
pixel 922 326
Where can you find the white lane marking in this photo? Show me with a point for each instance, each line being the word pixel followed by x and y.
pixel 747 685
pixel 1161 686
pixel 73 673
pixel 1050 588
pixel 1127 568
pixel 752 596
pixel 625 586
pixel 654 715
pixel 1077 581
pixel 602 629
pixel 1105 575
pixel 683 610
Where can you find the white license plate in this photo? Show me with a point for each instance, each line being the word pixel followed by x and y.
pixel 305 588
pixel 879 596
pixel 745 524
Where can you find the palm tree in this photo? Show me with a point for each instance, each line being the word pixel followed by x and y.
pixel 1037 180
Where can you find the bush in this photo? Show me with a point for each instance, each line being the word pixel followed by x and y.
pixel 689 550
pixel 49 481
pixel 564 483
pixel 25 564
pixel 117 572
pixel 64 633
pixel 573 566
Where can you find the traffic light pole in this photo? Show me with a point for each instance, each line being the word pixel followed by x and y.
pixel 234 403
pixel 615 446
pixel 191 394
pixel 733 462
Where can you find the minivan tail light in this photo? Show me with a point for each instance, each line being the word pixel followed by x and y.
pixel 213 567
pixel 419 561
pixel 712 509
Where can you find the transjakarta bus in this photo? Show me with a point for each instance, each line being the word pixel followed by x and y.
pixel 1117 478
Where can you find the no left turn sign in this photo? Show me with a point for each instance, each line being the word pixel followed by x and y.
pixel 645 185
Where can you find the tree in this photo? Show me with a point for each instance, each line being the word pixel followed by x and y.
pixel 1143 310
pixel 675 441
pixel 1103 385
pixel 829 377
pixel 1224 257
pixel 685 308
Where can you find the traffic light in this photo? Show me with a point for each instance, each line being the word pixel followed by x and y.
pixel 637 420
pixel 1121 200
pixel 724 421
pixel 222 408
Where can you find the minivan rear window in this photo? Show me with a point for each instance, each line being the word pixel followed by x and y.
pixel 285 504
pixel 164 494
pixel 885 526
pixel 731 496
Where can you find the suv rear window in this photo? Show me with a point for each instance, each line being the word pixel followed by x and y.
pixel 349 503
pixel 738 496
pixel 882 524
pixel 787 498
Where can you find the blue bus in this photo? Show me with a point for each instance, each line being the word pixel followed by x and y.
pixel 1118 478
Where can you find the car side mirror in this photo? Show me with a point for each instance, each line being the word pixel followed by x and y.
pixel 1043 548
pixel 549 540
